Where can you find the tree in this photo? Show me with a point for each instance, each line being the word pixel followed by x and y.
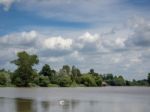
pixel 44 81
pixel 88 80
pixel 46 71
pixel 148 78
pixel 119 81
pixel 64 81
pixel 109 78
pixel 24 74
pixel 92 71
pixel 5 79
pixel 98 80
pixel 75 74
pixel 67 68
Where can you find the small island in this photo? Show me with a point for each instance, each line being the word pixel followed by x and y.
pixel 26 76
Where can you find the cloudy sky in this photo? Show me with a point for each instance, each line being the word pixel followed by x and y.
pixel 111 36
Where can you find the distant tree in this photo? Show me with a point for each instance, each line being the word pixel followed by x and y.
pixel 46 70
pixel 44 81
pixel 2 70
pixel 75 74
pixel 5 79
pixel 128 83
pixel 148 78
pixel 64 81
pixel 67 68
pixel 88 80
pixel 109 78
pixel 92 71
pixel 119 81
pixel 62 72
pixel 98 80
pixel 24 74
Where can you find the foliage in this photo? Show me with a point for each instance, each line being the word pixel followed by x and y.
pixel 52 85
pixel 5 79
pixel 24 74
pixel 75 74
pixel 46 70
pixel 148 78
pixel 67 69
pixel 44 81
pixel 119 81
pixel 88 80
pixel 64 81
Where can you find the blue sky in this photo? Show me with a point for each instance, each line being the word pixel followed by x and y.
pixel 111 36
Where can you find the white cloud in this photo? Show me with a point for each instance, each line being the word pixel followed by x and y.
pixel 7 3
pixel 89 38
pixel 77 56
pixel 58 43
pixel 120 42
pixel 141 34
pixel 23 38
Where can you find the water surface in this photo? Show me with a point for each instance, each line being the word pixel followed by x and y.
pixel 104 99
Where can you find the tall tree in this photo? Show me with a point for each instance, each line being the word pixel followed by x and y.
pixel 67 68
pixel 92 71
pixel 24 74
pixel 46 70
pixel 5 79
pixel 148 77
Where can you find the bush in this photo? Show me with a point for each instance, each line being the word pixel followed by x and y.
pixel 52 85
pixel 74 84
pixel 64 81
pixel 5 79
pixel 88 80
pixel 43 81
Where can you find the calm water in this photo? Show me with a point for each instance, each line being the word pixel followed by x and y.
pixel 105 99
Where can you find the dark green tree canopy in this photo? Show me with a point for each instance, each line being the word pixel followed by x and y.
pixel 24 75
pixel 148 77
pixel 46 70
pixel 67 68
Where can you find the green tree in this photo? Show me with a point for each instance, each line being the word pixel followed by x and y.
pixel 67 68
pixel 148 78
pixel 46 70
pixel 119 81
pixel 92 71
pixel 64 81
pixel 88 80
pixel 98 80
pixel 5 79
pixel 109 78
pixel 75 74
pixel 24 74
pixel 44 81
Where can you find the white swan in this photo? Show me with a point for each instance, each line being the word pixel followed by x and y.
pixel 61 102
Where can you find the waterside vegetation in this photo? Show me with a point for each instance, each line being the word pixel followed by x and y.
pixel 26 76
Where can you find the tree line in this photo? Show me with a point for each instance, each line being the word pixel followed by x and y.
pixel 26 76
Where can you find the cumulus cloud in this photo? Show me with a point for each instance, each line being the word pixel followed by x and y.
pixel 7 4
pixel 22 39
pixel 88 42
pixel 141 34
pixel 58 43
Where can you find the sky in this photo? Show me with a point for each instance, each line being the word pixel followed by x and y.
pixel 110 36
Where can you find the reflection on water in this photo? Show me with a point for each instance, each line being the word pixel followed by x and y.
pixel 77 102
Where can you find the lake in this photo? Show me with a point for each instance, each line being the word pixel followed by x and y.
pixel 103 99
